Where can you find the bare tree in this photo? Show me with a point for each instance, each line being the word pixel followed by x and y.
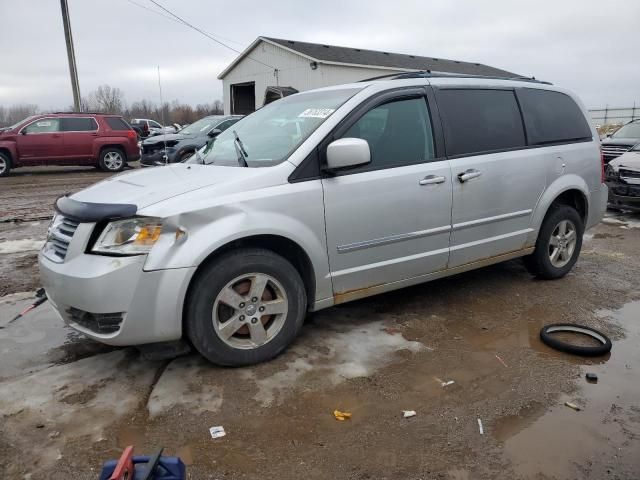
pixel 15 113
pixel 108 99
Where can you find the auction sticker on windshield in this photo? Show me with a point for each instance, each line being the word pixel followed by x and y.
pixel 317 113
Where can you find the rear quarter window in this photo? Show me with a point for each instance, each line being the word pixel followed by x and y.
pixel 552 117
pixel 480 120
pixel 116 123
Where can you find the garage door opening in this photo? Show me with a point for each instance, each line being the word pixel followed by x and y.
pixel 243 98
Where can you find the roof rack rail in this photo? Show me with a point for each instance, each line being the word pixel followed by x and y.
pixel 436 74
pixel 85 113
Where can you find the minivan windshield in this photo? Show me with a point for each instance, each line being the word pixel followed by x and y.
pixel 630 130
pixel 268 136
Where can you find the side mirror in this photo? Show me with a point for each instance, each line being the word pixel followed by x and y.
pixel 609 135
pixel 348 152
pixel 23 131
pixel 214 133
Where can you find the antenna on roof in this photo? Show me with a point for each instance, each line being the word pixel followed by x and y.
pixel 164 134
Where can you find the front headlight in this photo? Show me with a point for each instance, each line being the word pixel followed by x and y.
pixel 133 236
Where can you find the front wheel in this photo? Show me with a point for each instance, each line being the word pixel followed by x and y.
pixel 245 307
pixel 5 165
pixel 558 245
pixel 112 160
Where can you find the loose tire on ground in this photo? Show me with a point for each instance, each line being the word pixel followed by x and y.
pixel 231 311
pixel 551 239
pixel 592 351
pixel 112 160
pixel 5 164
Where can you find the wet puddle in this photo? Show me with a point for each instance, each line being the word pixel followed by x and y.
pixel 601 438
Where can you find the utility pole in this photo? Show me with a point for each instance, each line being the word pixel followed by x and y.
pixel 75 86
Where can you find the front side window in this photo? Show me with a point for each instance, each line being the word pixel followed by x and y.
pixel 269 135
pixel 153 124
pixel 46 125
pixel 79 125
pixel 552 117
pixel 398 133
pixel 477 121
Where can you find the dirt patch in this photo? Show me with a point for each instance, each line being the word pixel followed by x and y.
pixel 374 358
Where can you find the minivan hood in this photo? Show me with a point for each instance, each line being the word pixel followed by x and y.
pixel 151 185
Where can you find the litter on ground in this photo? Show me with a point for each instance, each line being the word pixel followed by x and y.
pixel 217 432
pixel 480 427
pixel 341 416
pixel 573 405
pixel 408 413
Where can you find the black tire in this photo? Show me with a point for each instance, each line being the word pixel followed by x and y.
pixel 547 337
pixel 539 262
pixel 107 164
pixel 210 282
pixel 5 164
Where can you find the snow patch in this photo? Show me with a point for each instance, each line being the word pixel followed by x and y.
pixel 20 246
pixel 334 353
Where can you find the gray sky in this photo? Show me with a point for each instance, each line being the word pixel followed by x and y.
pixel 587 46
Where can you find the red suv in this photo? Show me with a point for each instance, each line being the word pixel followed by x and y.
pixel 106 141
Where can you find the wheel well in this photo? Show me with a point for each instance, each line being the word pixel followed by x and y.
pixel 284 247
pixel 119 147
pixel 573 198
pixel 7 153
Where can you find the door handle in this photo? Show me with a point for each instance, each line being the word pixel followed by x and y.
pixel 468 175
pixel 432 180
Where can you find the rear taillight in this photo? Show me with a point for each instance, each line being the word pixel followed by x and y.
pixel 132 134
pixel 602 174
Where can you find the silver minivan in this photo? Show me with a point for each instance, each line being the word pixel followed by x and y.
pixel 321 198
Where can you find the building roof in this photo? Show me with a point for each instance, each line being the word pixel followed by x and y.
pixel 332 54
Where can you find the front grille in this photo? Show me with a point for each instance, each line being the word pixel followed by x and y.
pixel 103 323
pixel 59 237
pixel 613 151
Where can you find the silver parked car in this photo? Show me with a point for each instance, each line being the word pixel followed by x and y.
pixel 325 197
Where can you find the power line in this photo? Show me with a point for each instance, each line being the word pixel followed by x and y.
pixel 183 21
pixel 133 2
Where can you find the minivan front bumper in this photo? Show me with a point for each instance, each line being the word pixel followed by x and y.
pixel 114 301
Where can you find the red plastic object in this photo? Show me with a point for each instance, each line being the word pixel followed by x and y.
pixel 124 468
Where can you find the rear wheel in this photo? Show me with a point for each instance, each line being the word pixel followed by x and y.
pixel 112 160
pixel 245 307
pixel 558 245
pixel 5 164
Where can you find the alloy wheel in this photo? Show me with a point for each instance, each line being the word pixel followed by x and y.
pixel 113 160
pixel 562 243
pixel 250 311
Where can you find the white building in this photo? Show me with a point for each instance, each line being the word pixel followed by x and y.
pixel 289 66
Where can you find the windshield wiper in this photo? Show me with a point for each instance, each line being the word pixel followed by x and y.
pixel 242 153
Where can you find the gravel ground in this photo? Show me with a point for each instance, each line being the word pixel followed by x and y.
pixel 67 404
